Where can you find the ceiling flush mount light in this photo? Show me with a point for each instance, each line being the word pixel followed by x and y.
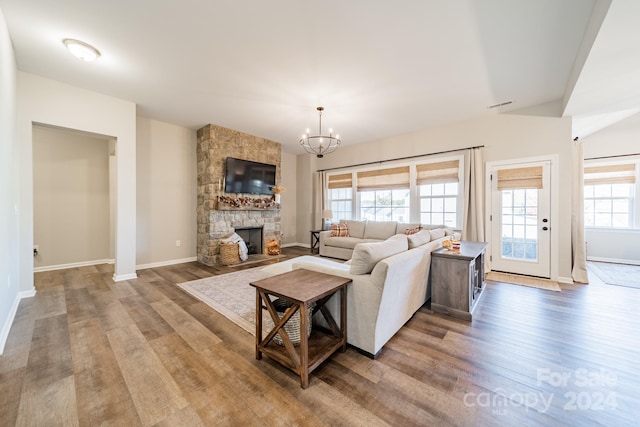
pixel 81 50
pixel 320 144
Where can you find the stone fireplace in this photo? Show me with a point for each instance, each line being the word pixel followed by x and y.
pixel 215 221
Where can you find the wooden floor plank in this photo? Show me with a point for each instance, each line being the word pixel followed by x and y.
pixel 88 351
pixel 102 394
pixel 154 392
pixel 52 404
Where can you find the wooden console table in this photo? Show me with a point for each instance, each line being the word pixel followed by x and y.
pixel 457 279
pixel 302 288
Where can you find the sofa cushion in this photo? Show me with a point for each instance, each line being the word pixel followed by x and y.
pixel 356 228
pixel 419 238
pixel 437 233
pixel 380 229
pixel 339 230
pixel 345 242
pixel 366 255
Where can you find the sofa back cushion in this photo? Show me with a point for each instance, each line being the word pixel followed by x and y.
pixel 380 229
pixel 356 228
pixel 366 255
pixel 419 238
pixel 437 233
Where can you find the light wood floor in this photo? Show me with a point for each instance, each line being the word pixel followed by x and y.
pixel 88 351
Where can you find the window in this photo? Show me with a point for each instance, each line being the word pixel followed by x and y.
pixel 385 205
pixel 438 192
pixel 439 203
pixel 341 196
pixel 428 193
pixel 609 196
pixel 384 194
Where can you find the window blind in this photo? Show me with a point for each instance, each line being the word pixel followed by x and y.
pixel 610 174
pixel 432 173
pixel 520 178
pixel 343 180
pixel 383 179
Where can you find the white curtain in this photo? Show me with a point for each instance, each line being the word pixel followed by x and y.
pixel 578 248
pixel 320 201
pixel 473 219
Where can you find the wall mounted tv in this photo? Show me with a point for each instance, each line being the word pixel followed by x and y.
pixel 244 176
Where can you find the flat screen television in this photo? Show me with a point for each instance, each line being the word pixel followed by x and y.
pixel 245 176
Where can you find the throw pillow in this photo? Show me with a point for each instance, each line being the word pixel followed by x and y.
pixel 366 255
pixel 410 231
pixel 418 239
pixel 339 230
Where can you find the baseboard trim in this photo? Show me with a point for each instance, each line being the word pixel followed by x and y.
pixel 165 263
pixel 613 260
pixel 122 277
pixel 70 265
pixel 6 328
pixel 565 280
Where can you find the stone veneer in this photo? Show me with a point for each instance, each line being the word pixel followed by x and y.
pixel 215 144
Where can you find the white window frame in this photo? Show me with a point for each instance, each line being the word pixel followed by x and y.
pixel 634 215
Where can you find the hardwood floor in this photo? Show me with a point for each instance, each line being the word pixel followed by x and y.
pixel 88 351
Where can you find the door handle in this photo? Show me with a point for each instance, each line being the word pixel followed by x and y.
pixel 545 220
pixel 545 228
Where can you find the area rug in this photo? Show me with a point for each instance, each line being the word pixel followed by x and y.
pixel 230 295
pixel 617 274
pixel 518 279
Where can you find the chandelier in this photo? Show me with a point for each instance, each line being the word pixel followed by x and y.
pixel 320 144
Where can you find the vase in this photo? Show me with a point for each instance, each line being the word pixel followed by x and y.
pixel 277 198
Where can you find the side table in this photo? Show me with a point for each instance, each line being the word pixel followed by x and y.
pixel 457 279
pixel 301 288
pixel 315 240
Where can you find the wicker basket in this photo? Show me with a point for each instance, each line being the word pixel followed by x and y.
pixel 292 327
pixel 229 254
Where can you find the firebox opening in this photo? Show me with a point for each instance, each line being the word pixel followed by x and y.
pixel 252 237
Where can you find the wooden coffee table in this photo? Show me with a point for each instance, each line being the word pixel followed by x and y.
pixel 301 288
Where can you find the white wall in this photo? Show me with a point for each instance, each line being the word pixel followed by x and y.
pixel 9 219
pixel 44 101
pixel 288 211
pixel 504 137
pixel 619 139
pixel 166 193
pixel 71 198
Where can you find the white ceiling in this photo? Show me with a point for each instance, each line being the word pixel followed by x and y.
pixel 379 68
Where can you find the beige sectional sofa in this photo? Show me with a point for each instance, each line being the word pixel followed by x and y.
pixel 390 282
pixel 363 232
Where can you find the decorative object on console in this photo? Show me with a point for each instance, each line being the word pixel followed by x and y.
pixel 326 216
pixel 320 144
